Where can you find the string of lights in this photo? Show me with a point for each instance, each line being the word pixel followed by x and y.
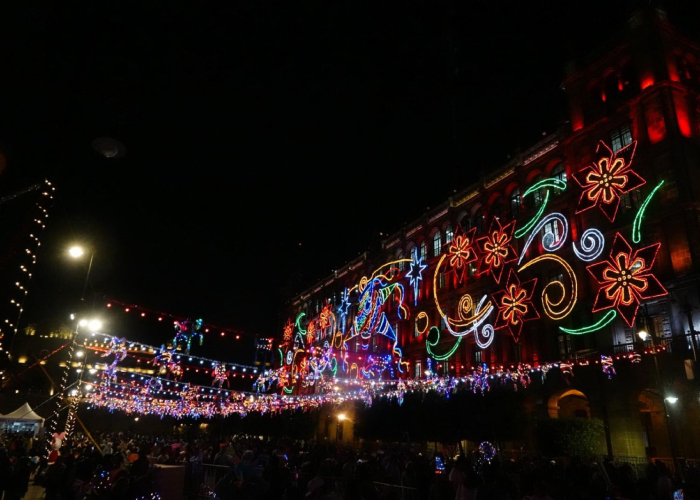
pixel 30 254
pixel 144 312
pixel 134 348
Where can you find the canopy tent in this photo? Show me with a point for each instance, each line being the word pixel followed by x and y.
pixel 23 419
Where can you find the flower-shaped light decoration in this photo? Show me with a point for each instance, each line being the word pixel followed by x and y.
pixel 608 178
pixel 310 332
pixel 288 329
pixel 324 318
pixel 496 249
pixel 515 305
pixel 626 279
pixel 461 251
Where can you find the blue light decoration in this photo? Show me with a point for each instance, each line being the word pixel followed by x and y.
pixel 592 245
pixel 415 273
pixel 344 308
pixel 439 465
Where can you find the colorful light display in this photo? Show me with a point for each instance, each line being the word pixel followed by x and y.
pixel 496 249
pixel 609 177
pixel 636 226
pixel 626 279
pixel 515 305
pixel 415 274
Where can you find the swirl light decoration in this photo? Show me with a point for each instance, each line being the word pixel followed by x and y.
pixel 603 322
pixel 487 332
pixel 549 305
pixel 592 245
pixel 547 243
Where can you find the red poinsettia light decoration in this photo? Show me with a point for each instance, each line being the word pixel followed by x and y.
pixel 515 305
pixel 626 279
pixel 496 249
pixel 288 329
pixel 310 332
pixel 608 178
pixel 324 318
pixel 461 251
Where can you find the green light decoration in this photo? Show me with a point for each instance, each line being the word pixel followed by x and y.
pixel 281 357
pixel 549 182
pixel 297 323
pixel 288 391
pixel 428 345
pixel 527 227
pixel 604 321
pixel 636 233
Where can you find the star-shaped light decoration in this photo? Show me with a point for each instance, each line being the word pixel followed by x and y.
pixel 461 251
pixel 415 273
pixel 609 177
pixel 515 305
pixel 496 248
pixel 625 279
pixel 344 306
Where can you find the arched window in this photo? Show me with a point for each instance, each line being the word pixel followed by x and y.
pixel 437 244
pixel 497 208
pixel 399 257
pixel 559 172
pixel 478 220
pixel 538 196
pixel 466 223
pixel 423 250
pixel 449 234
pixel 516 202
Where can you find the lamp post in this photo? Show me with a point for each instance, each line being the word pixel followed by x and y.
pixel 672 400
pixel 341 418
pixel 77 252
pixel 644 335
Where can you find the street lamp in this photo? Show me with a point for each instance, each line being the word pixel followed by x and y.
pixel 671 399
pixel 77 252
pixel 341 418
pixel 643 334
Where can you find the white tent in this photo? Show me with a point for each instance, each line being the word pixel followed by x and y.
pixel 22 419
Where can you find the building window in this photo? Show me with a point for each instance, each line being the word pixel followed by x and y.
pixel 375 338
pixel 477 356
pixel 553 228
pixel 416 334
pixel 472 269
pixel 538 196
pixel 556 275
pixel 631 200
pixel 442 281
pixel 443 323
pixel 620 137
pixel 417 369
pixel 559 173
pixel 497 208
pixel 423 251
pixel 562 345
pixel 515 203
pixel 449 234
pixel 400 257
pixel 437 244
pixel 395 327
pixel 478 220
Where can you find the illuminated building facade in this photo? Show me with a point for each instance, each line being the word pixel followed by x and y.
pixel 528 264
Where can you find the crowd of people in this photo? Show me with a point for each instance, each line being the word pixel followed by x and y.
pixel 119 466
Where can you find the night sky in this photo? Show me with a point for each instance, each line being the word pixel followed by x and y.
pixel 268 141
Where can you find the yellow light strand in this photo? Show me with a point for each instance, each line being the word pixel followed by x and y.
pixel 549 305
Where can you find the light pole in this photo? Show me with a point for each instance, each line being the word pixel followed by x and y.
pixel 644 335
pixel 77 252
pixel 672 400
pixel 341 418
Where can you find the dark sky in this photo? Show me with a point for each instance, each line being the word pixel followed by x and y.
pixel 254 126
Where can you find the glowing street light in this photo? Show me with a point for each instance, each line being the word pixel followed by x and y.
pixel 76 252
pixel 643 334
pixel 341 416
pixel 672 399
